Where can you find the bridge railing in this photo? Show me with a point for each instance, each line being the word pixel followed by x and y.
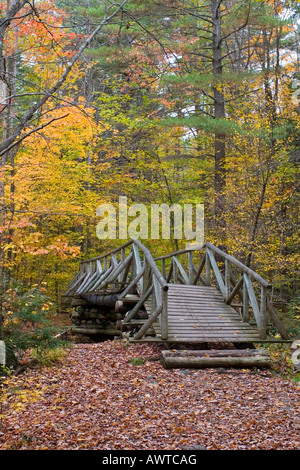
pixel 127 269
pixel 131 269
pixel 239 285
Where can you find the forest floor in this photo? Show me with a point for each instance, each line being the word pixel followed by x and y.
pixel 110 395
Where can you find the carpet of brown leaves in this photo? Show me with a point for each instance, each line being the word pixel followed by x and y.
pixel 98 398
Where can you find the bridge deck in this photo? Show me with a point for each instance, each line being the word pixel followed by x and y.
pixel 199 314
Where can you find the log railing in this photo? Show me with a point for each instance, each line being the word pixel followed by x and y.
pixel 128 269
pixel 239 285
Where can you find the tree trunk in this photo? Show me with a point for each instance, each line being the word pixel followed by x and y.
pixel 219 113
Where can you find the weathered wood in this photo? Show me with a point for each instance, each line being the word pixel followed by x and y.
pixel 187 310
pixel 245 312
pixel 216 353
pixel 258 314
pixel 180 252
pixel 190 317
pixel 147 276
pixel 227 279
pixel 199 271
pixel 2 353
pixel 181 270
pixel 217 273
pixel 115 250
pixel 73 280
pixel 195 341
pixel 277 322
pixel 138 265
pixel 169 276
pixel 84 283
pixel 137 307
pixel 96 331
pixel 211 362
pixel 207 269
pixel 263 305
pixel 117 269
pixel 88 286
pixel 191 267
pixel 152 264
pixel 164 316
pixel 175 271
pixel 131 284
pixel 209 338
pixel 239 265
pixel 215 358
pixel 77 282
pixel 102 277
pixel 148 323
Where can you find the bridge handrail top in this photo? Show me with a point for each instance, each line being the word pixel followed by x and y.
pixel 181 252
pixel 157 272
pixel 239 265
pixel 152 264
pixel 108 253
pixel 217 250
pixel 147 254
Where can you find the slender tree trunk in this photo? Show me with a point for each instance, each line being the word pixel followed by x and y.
pixel 219 113
pixel 271 111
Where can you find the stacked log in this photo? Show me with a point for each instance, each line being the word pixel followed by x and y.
pixel 196 359
pixel 90 319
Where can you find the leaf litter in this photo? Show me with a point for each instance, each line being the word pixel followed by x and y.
pixel 99 398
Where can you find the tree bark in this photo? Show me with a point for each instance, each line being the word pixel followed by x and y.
pixel 219 113
pixel 217 358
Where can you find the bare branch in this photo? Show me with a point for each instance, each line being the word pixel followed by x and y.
pixel 9 142
pixel 36 129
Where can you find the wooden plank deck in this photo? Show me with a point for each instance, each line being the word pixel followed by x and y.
pixel 199 314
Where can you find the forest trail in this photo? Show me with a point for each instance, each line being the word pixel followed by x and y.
pixel 110 395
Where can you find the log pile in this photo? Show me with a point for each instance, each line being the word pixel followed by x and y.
pixel 91 319
pixel 196 359
pixel 106 318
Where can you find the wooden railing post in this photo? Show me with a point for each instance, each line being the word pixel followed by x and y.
pixel 199 271
pixel 191 267
pixel 147 275
pixel 227 277
pixel 263 308
pixel 216 272
pixel 175 270
pixel 245 302
pixel 259 314
pixel 130 315
pixel 182 272
pixel 164 315
pixel 163 268
pixel 208 269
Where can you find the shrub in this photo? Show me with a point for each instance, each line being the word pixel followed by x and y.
pixel 26 322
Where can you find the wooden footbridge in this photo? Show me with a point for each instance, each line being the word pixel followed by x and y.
pixel 197 295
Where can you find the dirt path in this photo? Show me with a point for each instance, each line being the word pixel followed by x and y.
pixel 98 399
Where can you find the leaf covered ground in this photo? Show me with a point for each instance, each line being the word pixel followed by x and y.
pixel 104 396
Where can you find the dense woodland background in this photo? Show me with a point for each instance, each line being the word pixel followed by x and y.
pixel 174 101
